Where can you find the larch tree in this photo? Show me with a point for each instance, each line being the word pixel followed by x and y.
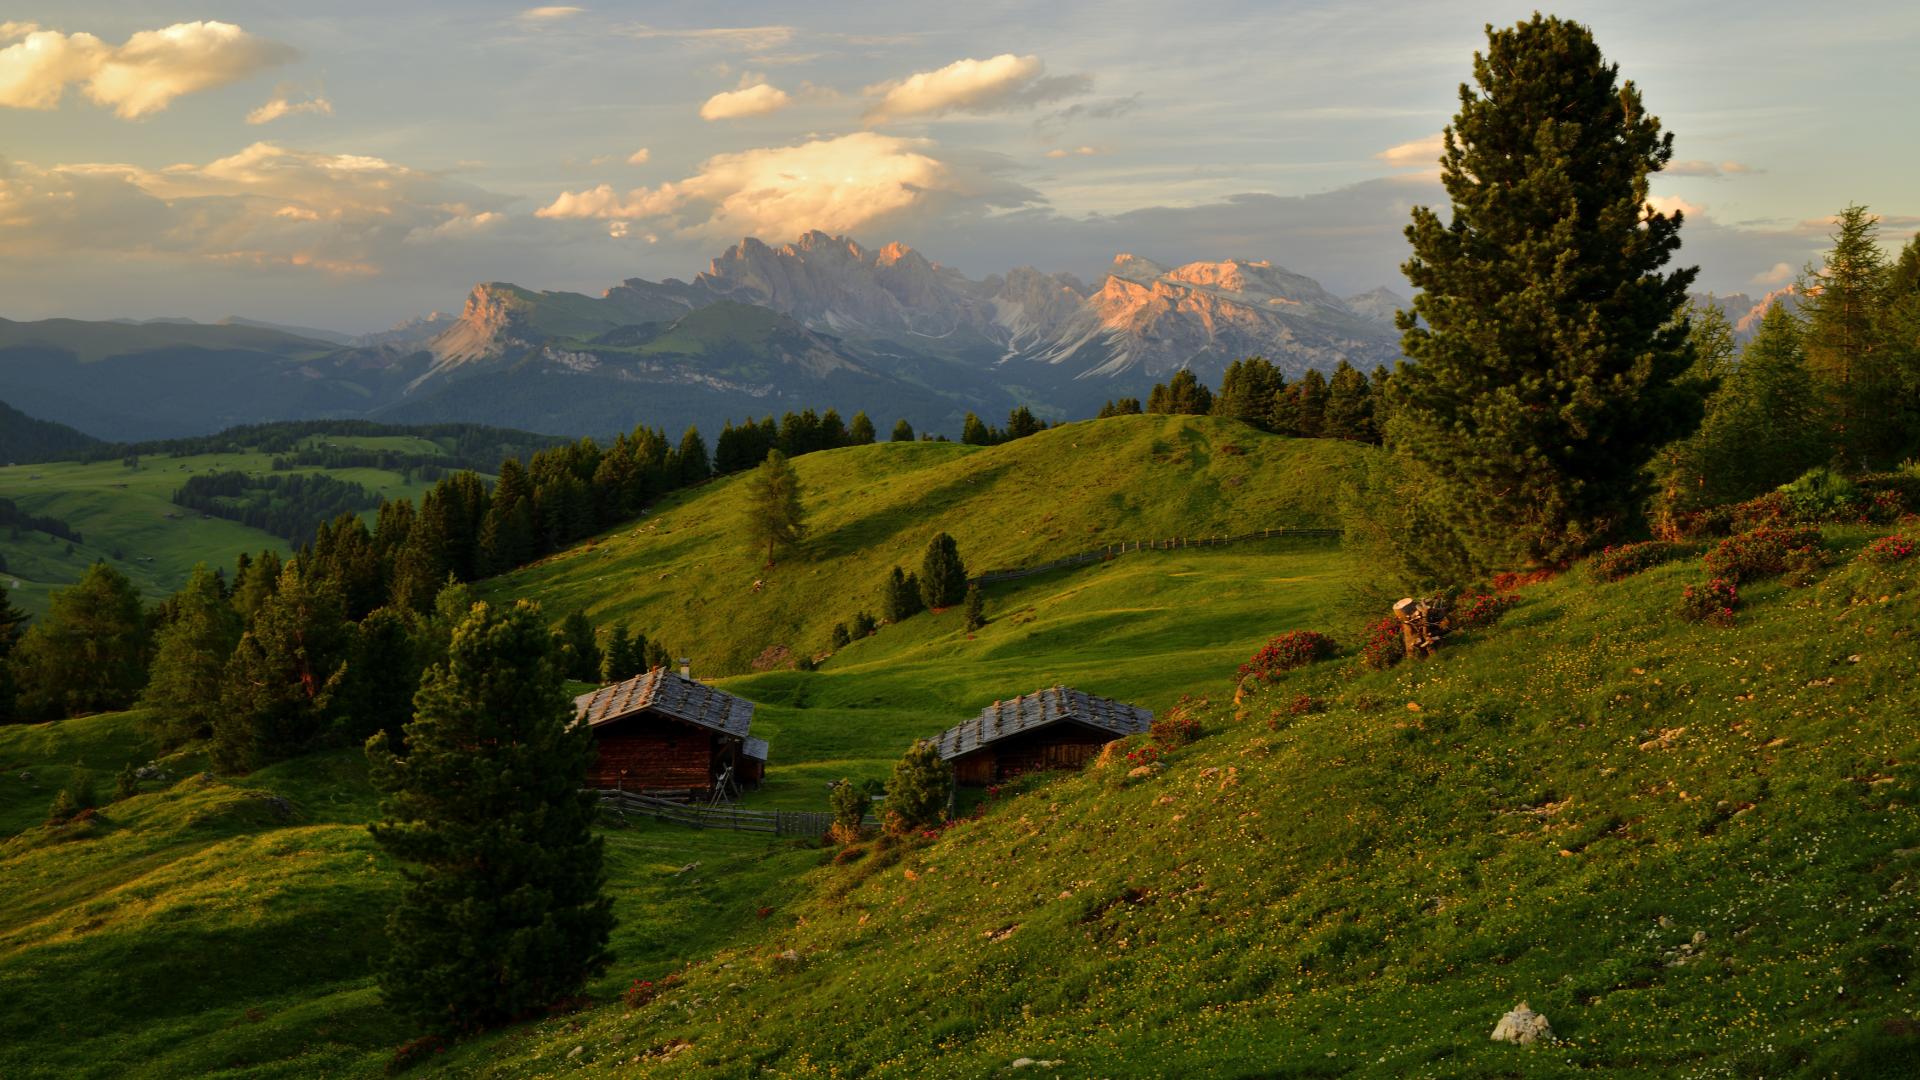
pixel 775 518
pixel 190 660
pixel 1546 347
pixel 1844 341
pixel 504 911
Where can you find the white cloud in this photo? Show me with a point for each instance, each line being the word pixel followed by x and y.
pixel 1668 204
pixel 758 99
pixel 136 78
pixel 281 104
pixel 1418 154
pixel 997 84
pixel 743 38
pixel 266 206
pixel 843 184
pixel 550 13
pixel 1713 169
pixel 639 157
pixel 1078 151
pixel 1780 274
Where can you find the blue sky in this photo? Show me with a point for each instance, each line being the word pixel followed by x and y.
pixel 401 152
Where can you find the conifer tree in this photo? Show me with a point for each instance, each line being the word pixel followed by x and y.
pixel 1182 395
pixel 385 660
pixel 943 577
pixel 654 653
pixel 863 625
pixel 840 635
pixel 833 431
pixel 902 596
pixel 974 431
pixel 1349 408
pixel 254 583
pixel 692 458
pixel 1247 389
pixel 1545 347
pixel 860 431
pixel 919 790
pixel 1125 406
pixel 12 625
pixel 577 649
pixel 1846 351
pixel 902 432
pixel 976 609
pixel 775 517
pixel 190 661
pixel 625 656
pixel 89 653
pixel 504 912
pixel 1021 423
pixel 279 686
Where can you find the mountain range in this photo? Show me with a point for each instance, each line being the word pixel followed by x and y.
pixel 820 322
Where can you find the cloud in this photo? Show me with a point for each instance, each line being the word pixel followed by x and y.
pixel 1780 274
pixel 266 206
pixel 1668 204
pixel 1418 154
pixel 844 184
pixel 1078 151
pixel 1708 168
pixel 136 78
pixel 639 157
pixel 758 99
pixel 742 38
pixel 281 105
pixel 999 84
pixel 550 13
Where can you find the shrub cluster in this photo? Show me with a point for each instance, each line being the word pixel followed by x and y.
pixel 1384 646
pixel 1476 611
pixel 1888 549
pixel 1175 729
pixel 1295 648
pixel 1616 563
pixel 643 991
pixel 1761 552
pixel 1711 602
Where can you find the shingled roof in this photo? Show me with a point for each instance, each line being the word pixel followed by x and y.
pixel 1037 710
pixel 668 694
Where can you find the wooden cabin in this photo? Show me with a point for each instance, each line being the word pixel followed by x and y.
pixel 665 734
pixel 1057 728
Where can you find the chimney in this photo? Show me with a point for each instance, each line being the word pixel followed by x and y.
pixel 686 667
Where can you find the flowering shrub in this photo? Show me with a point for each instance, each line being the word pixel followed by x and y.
pixel 1615 563
pixel 1760 552
pixel 1302 704
pixel 1712 602
pixel 643 991
pixel 1884 506
pixel 1175 729
pixel 1677 525
pixel 1480 610
pixel 1888 549
pixel 1771 507
pixel 1143 755
pixel 1295 648
pixel 1384 646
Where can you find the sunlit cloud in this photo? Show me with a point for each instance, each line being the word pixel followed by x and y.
pixel 282 104
pixel 1669 204
pixel 1713 169
pixel 1418 154
pixel 759 99
pixel 999 84
pixel 139 77
pixel 550 13
pixel 639 157
pixel 1078 151
pixel 742 38
pixel 1780 274
pixel 841 184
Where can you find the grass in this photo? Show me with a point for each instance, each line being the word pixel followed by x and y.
pixel 685 574
pixel 127 517
pixel 1695 849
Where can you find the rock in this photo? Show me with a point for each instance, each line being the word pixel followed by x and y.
pixel 576 1052
pixel 1522 1026
pixel 1699 937
pixel 1027 1062
pixel 150 771
pixel 26 777
pixel 1139 771
pixel 1664 922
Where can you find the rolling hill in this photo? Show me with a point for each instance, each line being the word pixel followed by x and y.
pixel 24 440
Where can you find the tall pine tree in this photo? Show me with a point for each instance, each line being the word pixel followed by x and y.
pixel 775 517
pixel 190 660
pixel 1546 347
pixel 943 577
pixel 504 911
pixel 1846 352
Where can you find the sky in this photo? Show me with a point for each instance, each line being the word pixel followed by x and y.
pixel 349 165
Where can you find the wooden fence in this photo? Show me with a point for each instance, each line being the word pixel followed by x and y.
pixel 1112 550
pixel 774 822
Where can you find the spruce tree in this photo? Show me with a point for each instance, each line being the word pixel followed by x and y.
pixel 976 609
pixel 190 661
pixel 1545 347
pixel 974 431
pixel 860 431
pixel 840 635
pixel 902 432
pixel 385 660
pixel 943 577
pixel 1182 395
pixel 692 458
pixel 577 648
pixel 1021 423
pixel 863 625
pixel 1247 389
pixel 1349 408
pixel 12 624
pixel 625 656
pixel 279 686
pixel 919 790
pixel 902 596
pixel 254 583
pixel 89 653
pixel 1846 348
pixel 504 912
pixel 775 517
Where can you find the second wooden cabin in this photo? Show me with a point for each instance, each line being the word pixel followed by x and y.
pixel 665 734
pixel 1056 728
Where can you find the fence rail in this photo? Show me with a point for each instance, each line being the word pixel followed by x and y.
pixel 775 822
pixel 1112 550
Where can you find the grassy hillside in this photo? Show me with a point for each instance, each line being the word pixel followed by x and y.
pixel 685 571
pixel 24 439
pixel 126 516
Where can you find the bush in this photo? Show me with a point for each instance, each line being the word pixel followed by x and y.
pixel 1761 552
pixel 1888 549
pixel 1176 728
pixel 902 596
pixel 1616 563
pixel 840 635
pixel 1889 495
pixel 415 1052
pixel 919 791
pixel 1821 495
pixel 863 625
pixel 127 784
pixel 641 992
pixel 849 805
pixel 976 609
pixel 1478 611
pixel 1711 602
pixel 1295 648
pixel 1385 646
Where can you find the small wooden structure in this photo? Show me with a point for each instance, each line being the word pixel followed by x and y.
pixel 664 734
pixel 1056 728
pixel 1422 624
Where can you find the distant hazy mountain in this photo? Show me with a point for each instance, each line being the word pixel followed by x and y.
pixel 1745 312
pixel 25 441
